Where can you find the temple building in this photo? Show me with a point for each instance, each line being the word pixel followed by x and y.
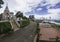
pixel 9 16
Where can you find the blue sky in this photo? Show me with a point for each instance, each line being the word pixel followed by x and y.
pixel 39 8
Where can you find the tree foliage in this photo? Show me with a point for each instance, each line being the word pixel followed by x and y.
pixel 19 14
pixel 24 17
pixel 5 27
pixel 1 2
pixel 31 17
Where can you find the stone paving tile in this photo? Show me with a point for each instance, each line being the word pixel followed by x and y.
pixel 47 32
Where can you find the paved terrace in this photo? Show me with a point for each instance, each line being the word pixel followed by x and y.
pixel 47 32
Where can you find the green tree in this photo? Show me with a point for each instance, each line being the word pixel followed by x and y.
pixel 24 17
pixel 19 14
pixel 31 17
pixel 1 2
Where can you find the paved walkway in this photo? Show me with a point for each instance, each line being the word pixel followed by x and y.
pixel 26 34
pixel 47 32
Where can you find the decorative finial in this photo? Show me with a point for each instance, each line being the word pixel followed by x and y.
pixel 6 3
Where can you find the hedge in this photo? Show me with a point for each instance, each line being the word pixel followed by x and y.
pixel 24 23
pixel 5 27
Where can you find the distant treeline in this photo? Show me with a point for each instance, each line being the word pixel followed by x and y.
pixel 57 21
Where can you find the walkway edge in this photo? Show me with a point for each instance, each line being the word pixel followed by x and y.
pixel 2 35
pixel 35 38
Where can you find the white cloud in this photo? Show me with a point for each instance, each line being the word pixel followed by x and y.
pixel 39 9
pixel 54 11
pixel 52 2
pixel 26 5
pixel 53 16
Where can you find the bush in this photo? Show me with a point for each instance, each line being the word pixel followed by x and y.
pixel 55 25
pixel 24 23
pixel 37 25
pixel 5 27
pixel 38 29
pixel 58 26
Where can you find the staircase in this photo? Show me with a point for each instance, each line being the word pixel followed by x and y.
pixel 15 25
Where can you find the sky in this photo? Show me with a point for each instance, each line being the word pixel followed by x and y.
pixel 38 8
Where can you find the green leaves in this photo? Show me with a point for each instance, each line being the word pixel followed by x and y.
pixel 31 17
pixel 5 27
pixel 19 14
pixel 1 2
pixel 24 17
pixel 24 23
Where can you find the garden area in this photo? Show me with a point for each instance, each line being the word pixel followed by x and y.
pixel 24 23
pixel 5 27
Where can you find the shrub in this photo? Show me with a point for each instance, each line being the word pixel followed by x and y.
pixel 37 25
pixel 55 25
pixel 5 27
pixel 24 23
pixel 38 29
